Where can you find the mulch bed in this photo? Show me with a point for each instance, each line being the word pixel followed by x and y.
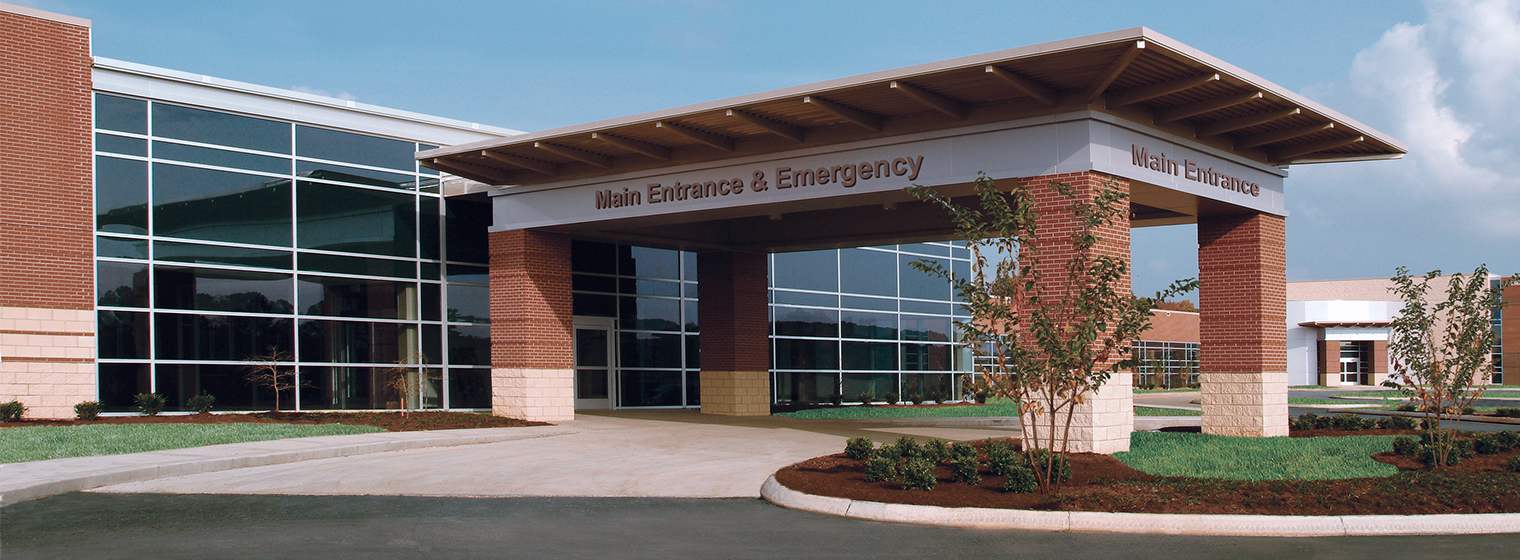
pixel 1102 483
pixel 388 421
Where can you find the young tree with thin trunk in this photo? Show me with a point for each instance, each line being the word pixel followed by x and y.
pixel 408 382
pixel 1440 350
pixel 1048 343
pixel 264 370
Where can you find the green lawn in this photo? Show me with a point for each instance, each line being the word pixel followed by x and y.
pixel 1139 391
pixel 855 412
pixel 1310 400
pixel 1153 411
pixel 1241 458
pixel 36 443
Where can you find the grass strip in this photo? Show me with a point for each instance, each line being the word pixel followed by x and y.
pixel 1153 411
pixel 1139 391
pixel 864 412
pixel 36 443
pixel 1243 458
pixel 1312 400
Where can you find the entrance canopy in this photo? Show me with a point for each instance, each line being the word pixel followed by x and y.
pixel 823 165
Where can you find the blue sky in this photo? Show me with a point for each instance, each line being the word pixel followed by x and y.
pixel 1442 76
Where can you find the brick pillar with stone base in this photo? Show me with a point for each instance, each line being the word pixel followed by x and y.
pixel 1242 300
pixel 734 318
pixel 1103 421
pixel 532 364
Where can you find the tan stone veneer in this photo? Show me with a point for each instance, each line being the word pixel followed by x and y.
pixel 47 359
pixel 1245 404
pixel 1102 423
pixel 536 394
pixel 736 393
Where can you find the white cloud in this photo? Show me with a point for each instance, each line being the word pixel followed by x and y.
pixel 345 96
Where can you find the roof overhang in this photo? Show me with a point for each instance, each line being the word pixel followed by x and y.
pixel 1346 324
pixel 1136 75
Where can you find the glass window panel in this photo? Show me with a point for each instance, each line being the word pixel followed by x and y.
pixel 430 271
pixel 121 195
pixel 220 205
pixel 649 388
pixel 806 387
pixel 322 143
pixel 925 249
pixel 591 383
pixel 692 291
pixel 216 337
pixel 432 344
pixel 961 269
pixel 465 226
pixel 928 385
pixel 469 304
pixel 121 114
pixel 879 384
pixel 429 228
pixel 121 145
pixel 121 284
pixel 917 327
pixel 593 305
pixel 802 298
pixel 217 254
pixel 658 288
pixel 693 388
pixel 925 307
pixel 365 266
pixel 881 304
pixel 357 176
pixel 860 324
pixel 469 274
pixel 337 218
pixel 470 345
pixel 922 285
pixel 796 321
pixel 432 302
pixel 650 314
pixel 123 335
pixel 689 266
pixel 806 354
pixel 353 297
pixel 356 342
pixel 210 127
pixel 346 388
pixel 693 315
pixel 593 257
pixel 811 270
pixel 207 289
pixel 927 357
pixel 469 388
pixel 591 347
pixel 868 272
pixel 649 350
pixel 120 384
pixel 220 158
pixel 693 354
pixel 121 248
pixel 588 283
pixel 869 355
pixel 228 383
pixel 647 262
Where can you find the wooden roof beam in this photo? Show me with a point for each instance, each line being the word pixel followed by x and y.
pixel 544 167
pixel 1221 127
pixel 1112 72
pixel 868 121
pixel 1290 152
pixel 1145 93
pixel 787 131
pixel 599 160
pixel 1180 112
pixel 469 171
pixel 720 142
pixel 1280 135
pixel 950 107
pixel 657 152
pixel 1030 87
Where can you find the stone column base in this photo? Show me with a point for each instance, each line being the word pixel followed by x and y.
pixel 1101 424
pixel 47 359
pixel 536 394
pixel 736 393
pixel 1251 404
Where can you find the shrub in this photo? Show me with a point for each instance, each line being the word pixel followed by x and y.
pixel 939 397
pixel 1324 423
pixel 1428 456
pixel 1002 458
pixel 1488 444
pixel 1406 446
pixel 918 473
pixel 1407 407
pixel 1062 468
pixel 1463 448
pixel 1467 410
pixel 150 404
pixel 891 398
pixel 12 411
pixel 1350 422
pixel 1397 423
pixel 88 411
pixel 865 397
pixel 1021 480
pixel 858 447
pixel 967 463
pixel 1514 464
pixel 881 467
pixel 916 398
pixel 201 404
pixel 903 448
pixel 1509 440
pixel 1508 412
pixel 936 450
pixel 1306 421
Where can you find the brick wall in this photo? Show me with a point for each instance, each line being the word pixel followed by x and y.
pixel 1509 334
pixel 47 324
pixel 735 319
pixel 1242 296
pixel 531 328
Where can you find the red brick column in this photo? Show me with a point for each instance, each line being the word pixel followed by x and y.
pixel 532 364
pixel 47 254
pixel 734 318
pixel 1103 422
pixel 1242 296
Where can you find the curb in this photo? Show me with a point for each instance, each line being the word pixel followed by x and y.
pixel 39 479
pixel 1153 523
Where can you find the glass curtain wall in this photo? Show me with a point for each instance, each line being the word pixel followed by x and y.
pixel 1166 365
pixel 224 239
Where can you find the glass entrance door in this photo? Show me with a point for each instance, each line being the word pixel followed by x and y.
pixel 1354 366
pixel 593 362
